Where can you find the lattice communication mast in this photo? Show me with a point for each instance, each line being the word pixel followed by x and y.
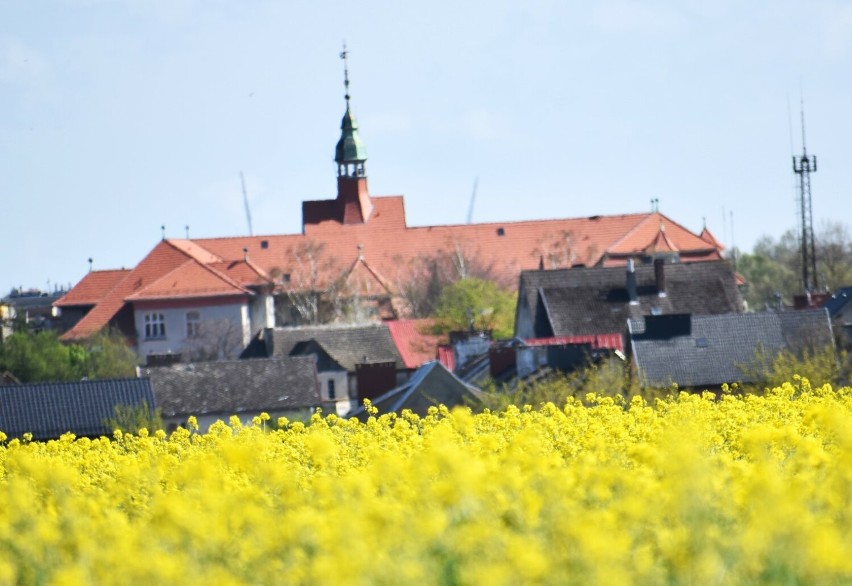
pixel 803 167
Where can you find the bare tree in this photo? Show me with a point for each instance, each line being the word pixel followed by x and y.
pixel 305 294
pixel 420 281
pixel 215 339
pixel 557 250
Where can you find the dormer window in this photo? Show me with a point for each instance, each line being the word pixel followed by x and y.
pixel 155 326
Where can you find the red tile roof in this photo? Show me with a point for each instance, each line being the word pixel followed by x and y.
pixel 447 357
pixel 381 254
pixel 414 341
pixel 190 279
pixel 390 247
pixel 163 259
pixel 597 341
pixel 708 237
pixel 92 288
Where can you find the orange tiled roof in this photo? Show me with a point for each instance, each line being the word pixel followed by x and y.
pixel 389 246
pixel 413 340
pixel 708 237
pixel 92 288
pixel 381 254
pixel 159 261
pixel 190 279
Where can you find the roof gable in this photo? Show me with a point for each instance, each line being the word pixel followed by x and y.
pixel 84 408
pixel 431 385
pixel 161 260
pixel 190 279
pixel 657 229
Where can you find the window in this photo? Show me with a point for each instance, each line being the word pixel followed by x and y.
pixel 193 322
pixel 331 393
pixel 155 325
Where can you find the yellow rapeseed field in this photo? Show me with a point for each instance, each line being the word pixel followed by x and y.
pixel 688 490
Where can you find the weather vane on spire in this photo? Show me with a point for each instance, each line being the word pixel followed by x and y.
pixel 343 55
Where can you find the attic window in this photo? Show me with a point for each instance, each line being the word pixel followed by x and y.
pixel 264 243
pixel 656 311
pixel 285 278
pixel 701 342
pixel 501 232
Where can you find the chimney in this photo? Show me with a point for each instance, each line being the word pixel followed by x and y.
pixel 660 276
pixel 632 295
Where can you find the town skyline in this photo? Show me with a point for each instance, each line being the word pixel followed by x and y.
pixel 117 119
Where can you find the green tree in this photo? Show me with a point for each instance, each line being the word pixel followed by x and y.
pixel 132 418
pixel 818 364
pixel 477 303
pixel 41 356
pixel 768 281
pixel 610 377
pixel 38 357
pixel 775 266
pixel 108 355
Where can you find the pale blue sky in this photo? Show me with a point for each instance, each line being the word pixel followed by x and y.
pixel 118 116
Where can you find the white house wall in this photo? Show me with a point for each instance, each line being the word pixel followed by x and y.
pixel 175 340
pixel 341 402
pixel 262 313
pixel 524 326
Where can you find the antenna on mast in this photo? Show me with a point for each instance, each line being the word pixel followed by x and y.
pixel 472 200
pixel 246 203
pixel 803 166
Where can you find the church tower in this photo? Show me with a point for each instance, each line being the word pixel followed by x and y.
pixel 350 156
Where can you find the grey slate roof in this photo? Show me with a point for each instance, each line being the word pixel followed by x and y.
pixel 348 345
pixel 49 409
pixel 838 301
pixel 721 348
pixel 582 301
pixel 430 385
pixel 235 386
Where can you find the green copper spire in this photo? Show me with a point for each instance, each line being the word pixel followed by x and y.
pixel 350 153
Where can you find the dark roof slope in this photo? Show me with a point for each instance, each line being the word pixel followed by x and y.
pixel 235 386
pixel 84 408
pixel 717 349
pixel 583 301
pixel 430 385
pixel 838 301
pixel 348 345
